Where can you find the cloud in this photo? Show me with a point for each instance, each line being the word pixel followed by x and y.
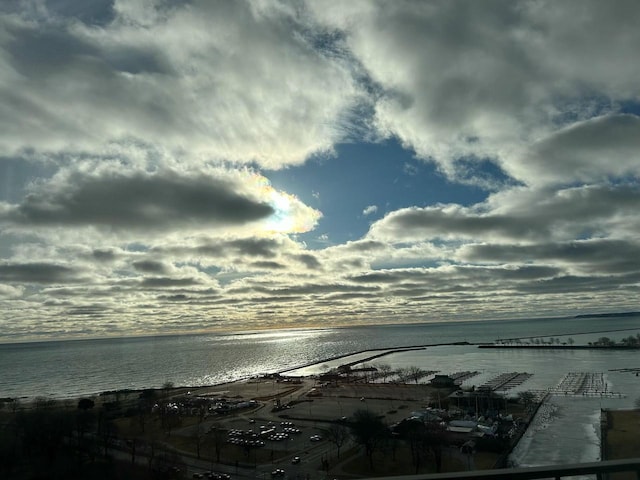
pixel 91 12
pixel 150 266
pixel 10 291
pixel 590 151
pixel 168 282
pixel 256 90
pixel 485 81
pixel 519 215
pixel 605 256
pixel 139 202
pixel 371 209
pixel 38 273
pixel 266 265
pixel 250 247
pixel 309 260
pixel 137 136
pixel 106 255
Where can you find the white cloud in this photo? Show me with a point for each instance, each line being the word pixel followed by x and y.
pixel 371 209
pixel 488 80
pixel 9 291
pixel 235 81
pixel 137 122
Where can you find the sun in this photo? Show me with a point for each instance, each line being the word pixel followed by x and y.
pixel 290 214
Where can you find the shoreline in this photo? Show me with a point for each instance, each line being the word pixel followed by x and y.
pixel 562 347
pixel 130 391
pixel 381 352
pixel 386 351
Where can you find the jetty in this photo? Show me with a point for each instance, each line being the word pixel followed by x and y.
pixel 591 384
pixel 459 377
pixel 506 381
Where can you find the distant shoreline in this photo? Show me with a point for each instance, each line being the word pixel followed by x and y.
pixel 572 334
pixel 562 347
pixel 608 315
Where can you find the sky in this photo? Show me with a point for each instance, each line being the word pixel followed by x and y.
pixel 174 166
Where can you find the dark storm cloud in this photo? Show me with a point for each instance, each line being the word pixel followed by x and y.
pixel 42 273
pixel 104 255
pixel 377 277
pixel 365 246
pixel 352 296
pixel 255 247
pixel 459 223
pixel 446 277
pixel 149 266
pixel 41 52
pixel 577 283
pixel 323 289
pixel 589 251
pixel 606 146
pixel 308 260
pixel 519 214
pixel 90 12
pixel 87 310
pixel 305 289
pixel 267 265
pixel 221 248
pixel 45 51
pixel 507 274
pixel 181 297
pixel 604 256
pixel 167 282
pixel 139 201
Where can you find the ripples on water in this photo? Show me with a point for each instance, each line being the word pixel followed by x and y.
pixel 72 368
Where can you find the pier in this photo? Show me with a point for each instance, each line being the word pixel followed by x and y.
pixel 592 384
pixel 506 381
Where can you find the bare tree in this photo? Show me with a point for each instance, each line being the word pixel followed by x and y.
pixel 146 400
pixel 384 369
pixel 198 432
pixel 423 439
pixel 337 434
pixel 219 441
pixel 434 440
pixel 414 373
pixel 411 432
pixel 403 374
pixel 368 430
pixel 605 341
pixel 107 430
